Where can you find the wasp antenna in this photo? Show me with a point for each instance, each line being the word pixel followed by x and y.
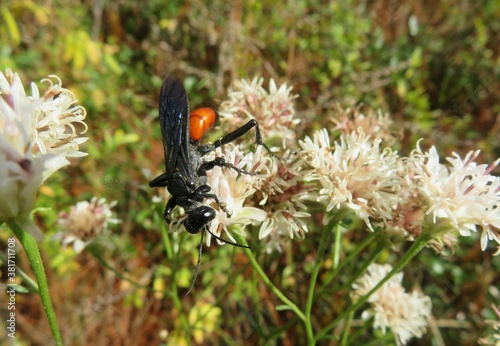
pixel 227 241
pixel 197 265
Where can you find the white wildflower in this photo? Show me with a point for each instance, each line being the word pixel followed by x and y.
pixel 232 189
pixel 354 173
pixel 86 222
pixel 405 314
pixel 372 123
pixel 273 109
pixel 464 195
pixel 281 192
pixel 32 147
pixel 271 196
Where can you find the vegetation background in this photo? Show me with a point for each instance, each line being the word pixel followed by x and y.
pixel 433 65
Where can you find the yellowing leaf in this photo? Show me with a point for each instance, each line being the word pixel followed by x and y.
pixel 41 12
pixel 112 64
pixel 159 285
pixel 12 29
pixel 204 318
pixel 93 52
pixel 79 54
pixel 401 88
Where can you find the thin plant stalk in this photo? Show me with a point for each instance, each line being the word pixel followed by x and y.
pixel 253 261
pixel 325 235
pixel 353 255
pixel 30 245
pixel 336 247
pixel 174 294
pixel 347 327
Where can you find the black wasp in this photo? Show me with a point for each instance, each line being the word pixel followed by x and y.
pixel 186 171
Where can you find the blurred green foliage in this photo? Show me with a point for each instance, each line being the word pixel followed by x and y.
pixel 434 66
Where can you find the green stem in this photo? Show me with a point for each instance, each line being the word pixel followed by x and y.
pixel 166 243
pixel 30 245
pixel 267 281
pixel 312 283
pixel 362 269
pixel 169 251
pixel 336 246
pixel 347 328
pixel 353 255
pixel 417 246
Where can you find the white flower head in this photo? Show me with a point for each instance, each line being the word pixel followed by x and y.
pixel 55 119
pixel 31 148
pixel 405 314
pixel 410 218
pixel 86 222
pixel 273 109
pixel 355 173
pixel 373 123
pixel 232 188
pixel 281 191
pixel 463 195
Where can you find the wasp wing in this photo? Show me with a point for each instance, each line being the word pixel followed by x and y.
pixel 174 123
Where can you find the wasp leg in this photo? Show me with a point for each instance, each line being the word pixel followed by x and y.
pixel 232 136
pixel 220 162
pixel 203 191
pixel 168 209
pixel 159 181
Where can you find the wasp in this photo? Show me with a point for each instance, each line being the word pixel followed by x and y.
pixel 185 174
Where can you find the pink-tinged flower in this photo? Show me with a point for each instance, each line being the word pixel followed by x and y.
pixel 405 314
pixel 86 222
pixel 463 196
pixel 31 146
pixel 354 173
pixel 271 196
pixel 281 192
pixel 372 123
pixel 273 109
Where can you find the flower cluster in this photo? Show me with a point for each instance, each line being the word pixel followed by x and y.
pixel 354 174
pixel 86 222
pixel 405 314
pixel 55 118
pixel 463 196
pixel 233 189
pixel 273 110
pixel 372 123
pixel 281 192
pixel 37 133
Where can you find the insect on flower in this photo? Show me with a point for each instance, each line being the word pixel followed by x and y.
pixel 186 171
